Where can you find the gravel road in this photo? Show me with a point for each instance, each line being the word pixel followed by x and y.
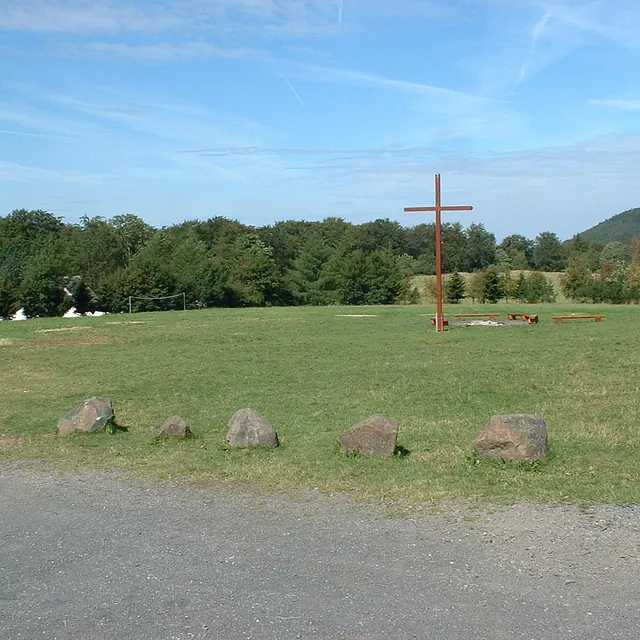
pixel 98 556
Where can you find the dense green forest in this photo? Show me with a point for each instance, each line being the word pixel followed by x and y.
pixel 48 266
pixel 621 228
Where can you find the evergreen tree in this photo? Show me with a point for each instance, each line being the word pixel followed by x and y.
pixel 520 289
pixel 454 288
pixel 492 289
pixel 309 282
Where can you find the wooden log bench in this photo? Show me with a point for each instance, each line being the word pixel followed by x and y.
pixel 531 318
pixel 586 316
pixel 491 316
pixel 445 321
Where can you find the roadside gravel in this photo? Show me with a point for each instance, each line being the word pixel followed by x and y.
pixel 95 555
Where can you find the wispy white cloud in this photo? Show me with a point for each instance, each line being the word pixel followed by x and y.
pixel 536 33
pixel 83 16
pixel 553 188
pixel 615 20
pixel 289 18
pixel 14 171
pixel 434 113
pixel 87 16
pixel 615 103
pixel 28 134
pixel 570 24
pixel 160 51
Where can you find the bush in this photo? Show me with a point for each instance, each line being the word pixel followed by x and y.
pixel 475 285
pixel 538 289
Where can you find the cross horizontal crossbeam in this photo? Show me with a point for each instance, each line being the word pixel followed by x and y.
pixel 416 209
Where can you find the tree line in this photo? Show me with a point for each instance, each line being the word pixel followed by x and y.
pixel 47 265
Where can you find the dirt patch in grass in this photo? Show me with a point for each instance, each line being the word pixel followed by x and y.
pixel 5 342
pixel 62 329
pixel 129 322
pixel 6 442
pixel 67 341
pixel 356 315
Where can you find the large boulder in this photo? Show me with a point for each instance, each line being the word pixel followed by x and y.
pixel 375 436
pixel 517 438
pixel 174 427
pixel 247 428
pixel 91 415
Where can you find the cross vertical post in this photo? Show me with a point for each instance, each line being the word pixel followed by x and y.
pixel 439 311
pixel 438 211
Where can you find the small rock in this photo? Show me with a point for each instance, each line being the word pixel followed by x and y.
pixel 174 427
pixel 91 415
pixel 375 436
pixel 517 438
pixel 247 428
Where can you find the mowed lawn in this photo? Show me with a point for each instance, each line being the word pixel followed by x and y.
pixel 313 372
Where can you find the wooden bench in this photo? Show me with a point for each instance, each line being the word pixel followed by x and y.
pixel 596 317
pixel 492 316
pixel 531 318
pixel 445 322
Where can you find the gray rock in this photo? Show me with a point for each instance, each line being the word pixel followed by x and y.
pixel 174 427
pixel 247 428
pixel 375 436
pixel 517 438
pixel 91 415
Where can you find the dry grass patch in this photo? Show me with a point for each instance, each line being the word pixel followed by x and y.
pixel 59 329
pixel 6 442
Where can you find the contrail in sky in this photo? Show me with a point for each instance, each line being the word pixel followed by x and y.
pixel 295 93
pixel 340 10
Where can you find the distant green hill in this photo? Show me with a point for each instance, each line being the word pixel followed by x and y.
pixel 624 226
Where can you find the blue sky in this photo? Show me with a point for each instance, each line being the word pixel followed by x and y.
pixel 266 110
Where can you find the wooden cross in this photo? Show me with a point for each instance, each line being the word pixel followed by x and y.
pixel 438 209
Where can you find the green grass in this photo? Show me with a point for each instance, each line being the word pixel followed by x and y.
pixel 313 374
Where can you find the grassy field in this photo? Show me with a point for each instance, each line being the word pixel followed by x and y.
pixel 313 372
